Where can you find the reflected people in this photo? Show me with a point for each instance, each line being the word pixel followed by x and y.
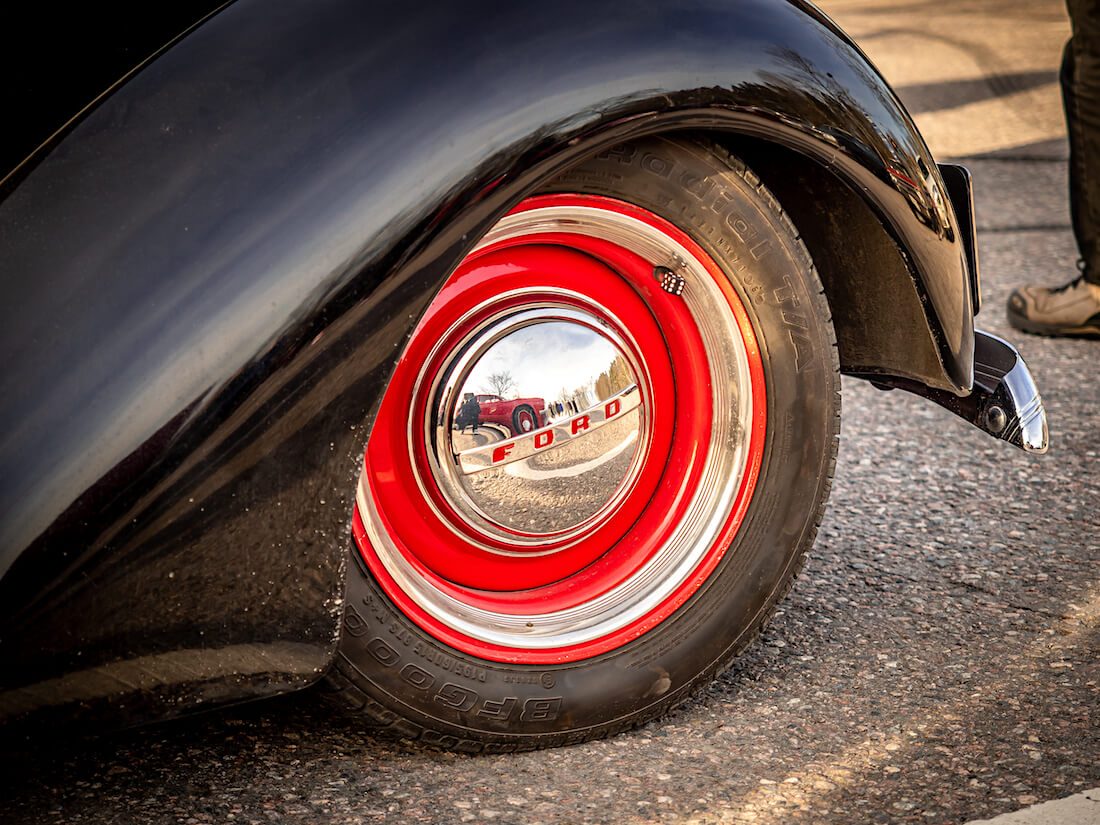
pixel 469 414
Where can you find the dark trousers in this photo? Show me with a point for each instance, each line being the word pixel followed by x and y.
pixel 1080 80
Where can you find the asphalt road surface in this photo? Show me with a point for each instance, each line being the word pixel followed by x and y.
pixel 936 661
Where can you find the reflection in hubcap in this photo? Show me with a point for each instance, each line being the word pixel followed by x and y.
pixel 538 424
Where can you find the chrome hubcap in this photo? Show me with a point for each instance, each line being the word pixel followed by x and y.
pixel 539 425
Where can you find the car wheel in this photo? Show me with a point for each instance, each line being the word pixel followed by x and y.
pixel 586 576
pixel 523 419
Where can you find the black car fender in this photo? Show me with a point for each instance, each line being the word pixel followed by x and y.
pixel 209 275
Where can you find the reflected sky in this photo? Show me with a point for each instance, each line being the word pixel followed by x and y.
pixel 544 360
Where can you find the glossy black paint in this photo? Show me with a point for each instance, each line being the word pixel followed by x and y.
pixel 54 64
pixel 208 277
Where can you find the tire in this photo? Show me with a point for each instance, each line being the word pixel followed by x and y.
pixel 523 419
pixel 471 632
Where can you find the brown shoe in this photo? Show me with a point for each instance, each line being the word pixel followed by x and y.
pixel 1069 310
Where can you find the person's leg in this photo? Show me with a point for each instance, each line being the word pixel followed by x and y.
pixel 1074 308
pixel 1080 78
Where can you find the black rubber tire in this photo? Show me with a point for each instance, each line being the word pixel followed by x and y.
pixel 408 682
pixel 516 425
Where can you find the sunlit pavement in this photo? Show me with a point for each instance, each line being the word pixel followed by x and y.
pixel 980 79
pixel 978 76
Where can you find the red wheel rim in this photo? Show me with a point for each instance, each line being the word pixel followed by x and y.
pixel 507 594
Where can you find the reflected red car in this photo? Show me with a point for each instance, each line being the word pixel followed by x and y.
pixel 520 415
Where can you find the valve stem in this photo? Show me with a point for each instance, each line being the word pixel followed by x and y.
pixel 671 283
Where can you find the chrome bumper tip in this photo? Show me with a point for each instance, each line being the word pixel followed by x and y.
pixel 1004 400
pixel 1008 403
pixel 1034 434
pixel 1030 433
